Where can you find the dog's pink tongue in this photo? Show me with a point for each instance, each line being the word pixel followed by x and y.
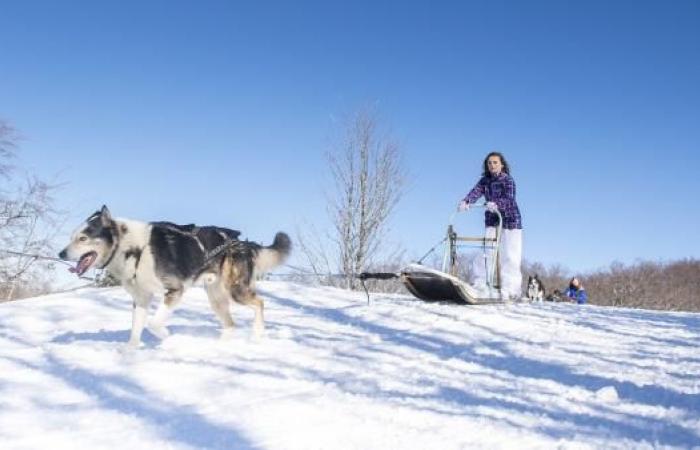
pixel 82 265
pixel 78 269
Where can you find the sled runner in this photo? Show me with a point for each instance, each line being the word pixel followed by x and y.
pixel 430 284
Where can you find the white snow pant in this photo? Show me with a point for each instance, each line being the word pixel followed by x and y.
pixel 511 251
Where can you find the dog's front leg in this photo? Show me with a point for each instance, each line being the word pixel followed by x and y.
pixel 157 324
pixel 138 320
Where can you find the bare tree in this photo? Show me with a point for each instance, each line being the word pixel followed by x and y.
pixel 368 182
pixel 28 222
pixel 8 144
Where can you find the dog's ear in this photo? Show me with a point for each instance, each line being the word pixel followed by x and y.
pixel 105 216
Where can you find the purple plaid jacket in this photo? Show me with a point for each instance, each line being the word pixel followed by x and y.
pixel 500 190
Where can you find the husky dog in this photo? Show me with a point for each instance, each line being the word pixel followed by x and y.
pixel 535 289
pixel 165 258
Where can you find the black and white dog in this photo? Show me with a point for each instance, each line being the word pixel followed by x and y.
pixel 163 258
pixel 535 289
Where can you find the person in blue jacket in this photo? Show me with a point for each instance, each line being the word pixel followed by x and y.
pixel 575 292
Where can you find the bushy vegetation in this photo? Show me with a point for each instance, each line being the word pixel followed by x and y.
pixel 671 286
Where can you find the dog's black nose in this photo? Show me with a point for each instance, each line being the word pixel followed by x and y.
pixel 63 254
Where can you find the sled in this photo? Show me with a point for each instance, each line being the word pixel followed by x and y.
pixel 434 285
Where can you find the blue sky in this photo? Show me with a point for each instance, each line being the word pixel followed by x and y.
pixel 220 112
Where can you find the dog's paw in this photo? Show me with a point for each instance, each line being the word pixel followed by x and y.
pixel 158 331
pixel 227 334
pixel 130 347
pixel 258 333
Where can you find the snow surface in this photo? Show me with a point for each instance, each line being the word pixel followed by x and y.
pixel 335 373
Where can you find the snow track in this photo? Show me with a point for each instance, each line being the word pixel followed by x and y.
pixel 333 372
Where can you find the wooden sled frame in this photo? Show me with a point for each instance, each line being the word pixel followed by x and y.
pixel 433 285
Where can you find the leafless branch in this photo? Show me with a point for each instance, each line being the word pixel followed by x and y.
pixel 368 180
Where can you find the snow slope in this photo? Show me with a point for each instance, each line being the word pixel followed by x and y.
pixel 334 373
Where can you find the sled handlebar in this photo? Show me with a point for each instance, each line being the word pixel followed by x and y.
pixel 482 205
pixel 494 243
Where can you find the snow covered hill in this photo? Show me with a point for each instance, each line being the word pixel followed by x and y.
pixel 334 373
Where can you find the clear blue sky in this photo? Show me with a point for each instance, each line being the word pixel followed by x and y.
pixel 219 112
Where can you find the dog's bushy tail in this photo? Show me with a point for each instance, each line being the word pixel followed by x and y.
pixel 275 254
